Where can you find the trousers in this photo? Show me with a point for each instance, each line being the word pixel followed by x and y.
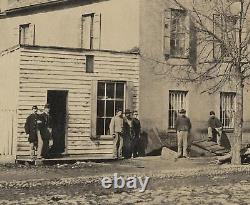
pixel 117 146
pixel 182 140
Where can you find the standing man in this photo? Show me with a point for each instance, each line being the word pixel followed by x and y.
pixel 214 128
pixel 46 130
pixel 183 127
pixel 116 130
pixel 136 129
pixel 32 128
pixel 127 134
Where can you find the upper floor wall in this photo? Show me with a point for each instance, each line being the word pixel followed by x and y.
pixel 108 24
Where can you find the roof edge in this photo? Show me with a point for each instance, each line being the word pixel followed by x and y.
pixel 9 50
pixel 78 49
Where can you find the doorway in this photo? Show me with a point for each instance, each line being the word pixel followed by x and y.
pixel 58 112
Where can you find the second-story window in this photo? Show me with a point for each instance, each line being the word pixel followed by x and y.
pixel 87 31
pixel 27 34
pixel 24 34
pixel 178 33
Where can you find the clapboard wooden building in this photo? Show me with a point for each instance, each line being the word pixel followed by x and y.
pixel 83 88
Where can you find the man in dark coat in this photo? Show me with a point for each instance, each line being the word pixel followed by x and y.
pixel 127 134
pixel 214 128
pixel 46 130
pixel 136 130
pixel 183 127
pixel 32 128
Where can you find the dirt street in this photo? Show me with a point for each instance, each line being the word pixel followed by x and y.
pixel 186 181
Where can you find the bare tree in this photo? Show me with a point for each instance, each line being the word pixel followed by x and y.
pixel 218 53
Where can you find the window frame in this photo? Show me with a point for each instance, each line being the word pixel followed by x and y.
pixel 105 99
pixel 89 63
pixel 25 28
pixel 91 31
pixel 177 33
pixel 224 109
pixel 180 95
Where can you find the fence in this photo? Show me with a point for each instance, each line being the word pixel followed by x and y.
pixel 7 132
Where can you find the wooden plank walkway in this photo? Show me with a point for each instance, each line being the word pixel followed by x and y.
pixel 211 147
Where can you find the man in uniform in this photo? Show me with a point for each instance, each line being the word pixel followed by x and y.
pixel 32 128
pixel 46 130
pixel 136 129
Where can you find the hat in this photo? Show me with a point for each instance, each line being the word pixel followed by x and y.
pixel 212 113
pixel 182 111
pixel 127 111
pixel 34 107
pixel 46 106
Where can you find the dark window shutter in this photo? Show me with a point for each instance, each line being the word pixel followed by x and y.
pixel 193 45
pixel 166 32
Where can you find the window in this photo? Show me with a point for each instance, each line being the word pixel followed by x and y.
pixel 178 33
pixel 87 31
pixel 177 101
pixel 225 29
pixel 227 109
pixel 24 34
pixel 89 63
pixel 27 34
pixel 110 97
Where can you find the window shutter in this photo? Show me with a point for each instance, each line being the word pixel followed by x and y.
pixel 166 32
pixel 16 34
pixel 217 23
pixel 187 34
pixel 193 44
pixel 129 95
pixel 86 29
pixel 31 34
pixel 93 108
pixel 97 31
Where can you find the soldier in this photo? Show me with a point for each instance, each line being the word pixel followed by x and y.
pixel 32 128
pixel 116 130
pixel 128 134
pixel 183 127
pixel 46 130
pixel 136 128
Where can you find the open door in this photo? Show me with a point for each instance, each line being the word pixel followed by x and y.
pixel 58 112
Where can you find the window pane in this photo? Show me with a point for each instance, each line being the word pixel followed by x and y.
pixel 110 90
pixel 101 90
pixel 120 90
pixel 119 105
pixel 227 109
pixel 100 108
pixel 107 122
pixel 100 126
pixel 110 108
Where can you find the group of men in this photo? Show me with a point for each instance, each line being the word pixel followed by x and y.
pixel 183 126
pixel 39 129
pixel 125 129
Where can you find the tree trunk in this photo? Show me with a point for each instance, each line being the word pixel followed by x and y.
pixel 237 139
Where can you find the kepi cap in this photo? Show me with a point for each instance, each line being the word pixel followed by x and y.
pixel 182 111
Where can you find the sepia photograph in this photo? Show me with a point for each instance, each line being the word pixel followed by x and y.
pixel 106 102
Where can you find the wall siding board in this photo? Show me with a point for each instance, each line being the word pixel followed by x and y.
pixel 45 69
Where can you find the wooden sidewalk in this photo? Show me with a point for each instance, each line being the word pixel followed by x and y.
pixel 211 147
